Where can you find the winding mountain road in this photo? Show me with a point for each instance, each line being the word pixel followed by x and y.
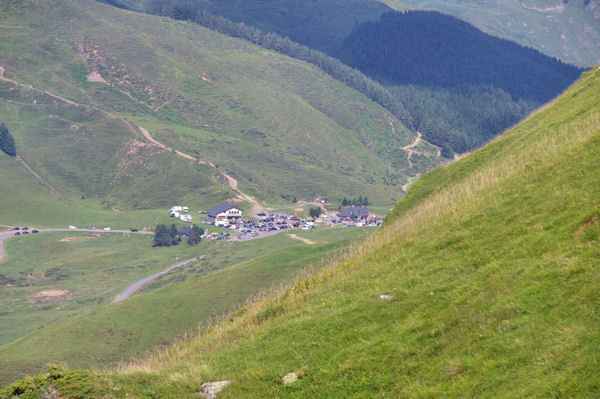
pixel 139 284
pixel 131 288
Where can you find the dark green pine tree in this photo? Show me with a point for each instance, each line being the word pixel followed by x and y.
pixel 174 235
pixel 161 236
pixel 7 142
pixel 195 235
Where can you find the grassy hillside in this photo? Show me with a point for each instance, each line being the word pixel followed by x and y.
pixel 104 333
pixel 503 80
pixel 277 125
pixel 491 262
pixel 567 30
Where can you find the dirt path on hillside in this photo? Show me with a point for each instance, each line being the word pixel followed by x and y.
pixel 38 177
pixel 233 183
pixel 409 150
pixel 304 240
pixel 414 143
pixel 66 100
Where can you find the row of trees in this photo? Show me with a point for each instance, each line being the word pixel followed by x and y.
pixel 7 142
pixel 165 236
pixel 360 201
pixel 331 66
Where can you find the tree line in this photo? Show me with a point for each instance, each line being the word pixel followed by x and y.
pixel 167 236
pixel 360 201
pixel 7 142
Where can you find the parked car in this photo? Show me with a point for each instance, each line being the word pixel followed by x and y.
pixel 134 230
pixel 107 229
pixel 25 228
pixel 72 227
pixel 25 232
pixel 17 233
pixel 14 228
pixel 91 228
pixel 34 231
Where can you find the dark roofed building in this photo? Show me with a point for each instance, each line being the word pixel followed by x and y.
pixel 185 231
pixel 224 211
pixel 354 212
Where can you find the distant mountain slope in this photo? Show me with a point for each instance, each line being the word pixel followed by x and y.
pixel 482 283
pixel 568 30
pixel 460 85
pixel 322 25
pixel 433 49
pixel 277 125
pixel 376 47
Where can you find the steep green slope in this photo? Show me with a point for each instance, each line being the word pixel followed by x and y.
pixel 567 30
pixel 492 265
pixel 277 125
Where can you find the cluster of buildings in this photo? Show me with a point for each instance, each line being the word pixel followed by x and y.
pixel 226 215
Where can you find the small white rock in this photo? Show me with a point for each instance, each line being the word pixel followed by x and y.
pixel 290 377
pixel 211 389
pixel 386 297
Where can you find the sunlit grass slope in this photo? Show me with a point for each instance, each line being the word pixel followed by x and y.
pixel 492 264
